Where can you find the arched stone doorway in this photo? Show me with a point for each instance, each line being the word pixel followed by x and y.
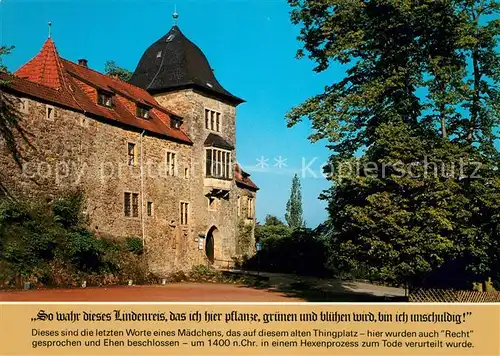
pixel 212 236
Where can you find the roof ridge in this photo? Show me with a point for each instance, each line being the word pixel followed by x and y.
pixel 88 68
pixel 61 69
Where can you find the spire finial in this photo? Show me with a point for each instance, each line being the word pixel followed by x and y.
pixel 50 29
pixel 175 15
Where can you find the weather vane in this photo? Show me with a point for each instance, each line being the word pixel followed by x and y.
pixel 50 29
pixel 175 15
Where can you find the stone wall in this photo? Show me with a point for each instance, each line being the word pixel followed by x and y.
pixel 191 105
pixel 246 222
pixel 75 151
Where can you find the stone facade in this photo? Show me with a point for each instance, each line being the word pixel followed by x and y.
pixel 225 216
pixel 77 151
pixel 142 174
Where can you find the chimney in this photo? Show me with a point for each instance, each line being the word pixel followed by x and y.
pixel 83 62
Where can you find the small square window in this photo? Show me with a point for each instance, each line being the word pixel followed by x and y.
pixel 23 106
pixel 84 122
pixel 104 99
pixel 212 203
pixel 50 113
pixel 142 112
pixel 175 123
pixel 131 154
pixel 149 208
pixel 158 55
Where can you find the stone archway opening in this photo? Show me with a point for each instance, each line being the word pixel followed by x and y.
pixel 212 236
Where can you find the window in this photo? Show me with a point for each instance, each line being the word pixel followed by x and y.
pixel 50 113
pixel 131 204
pixel 135 205
pixel 142 112
pixel 186 172
pixel 158 55
pixel 23 105
pixel 212 203
pixel 218 163
pixel 104 99
pixel 184 213
pixel 132 154
pixel 239 206
pixel 171 163
pixel 84 122
pixel 175 123
pixel 149 208
pixel 250 208
pixel 212 120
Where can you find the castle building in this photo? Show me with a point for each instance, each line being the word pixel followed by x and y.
pixel 155 157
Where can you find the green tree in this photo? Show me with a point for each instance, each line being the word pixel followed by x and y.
pixel 9 114
pixel 293 214
pixel 112 69
pixel 421 86
pixel 272 220
pixel 4 50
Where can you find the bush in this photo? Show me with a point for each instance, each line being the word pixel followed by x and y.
pixel 134 245
pixel 300 252
pixel 49 245
pixel 67 209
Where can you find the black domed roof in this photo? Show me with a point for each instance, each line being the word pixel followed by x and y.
pixel 174 62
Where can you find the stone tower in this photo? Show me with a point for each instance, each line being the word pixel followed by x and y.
pixel 177 73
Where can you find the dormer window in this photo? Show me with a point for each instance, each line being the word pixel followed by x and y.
pixel 142 112
pixel 104 99
pixel 175 123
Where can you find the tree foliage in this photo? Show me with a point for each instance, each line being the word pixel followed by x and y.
pixel 286 250
pixel 272 220
pixel 50 244
pixel 10 130
pixel 420 93
pixel 293 214
pixel 113 70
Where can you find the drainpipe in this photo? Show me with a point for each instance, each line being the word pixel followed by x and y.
pixel 142 194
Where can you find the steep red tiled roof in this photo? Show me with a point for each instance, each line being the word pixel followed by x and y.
pixel 242 178
pixel 51 78
pixel 39 91
pixel 45 68
pixel 59 81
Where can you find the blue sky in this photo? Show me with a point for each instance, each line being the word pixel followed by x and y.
pixel 250 44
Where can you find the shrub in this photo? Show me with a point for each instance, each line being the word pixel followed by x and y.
pixel 134 245
pixel 67 209
pixel 301 251
pixel 49 245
